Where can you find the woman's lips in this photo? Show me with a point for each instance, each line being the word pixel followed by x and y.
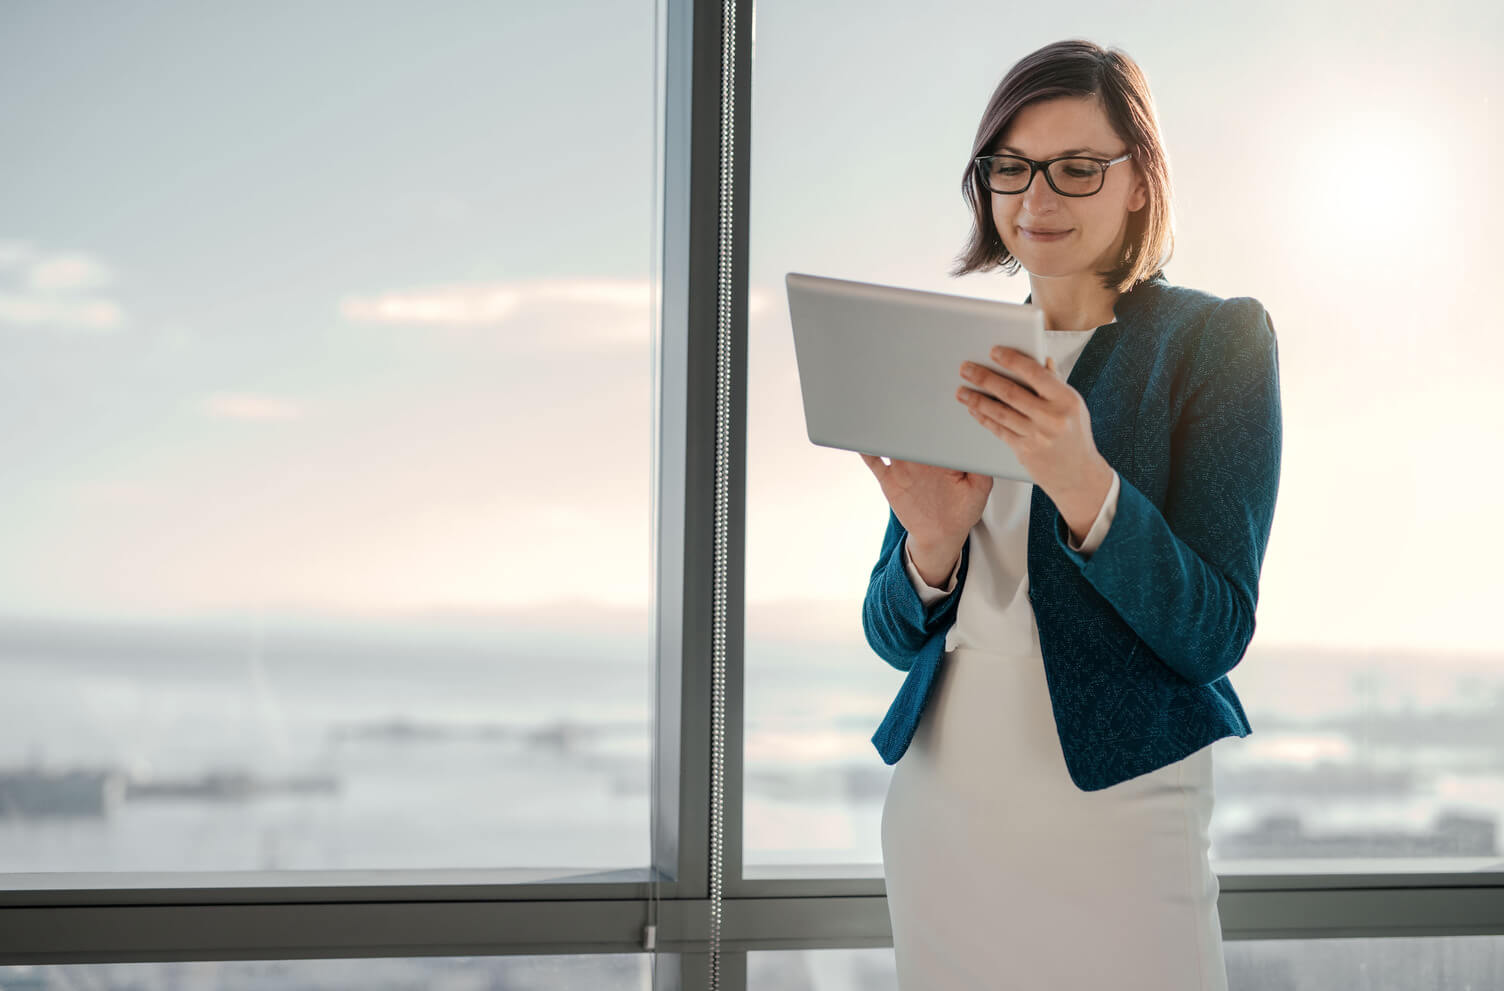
pixel 1038 235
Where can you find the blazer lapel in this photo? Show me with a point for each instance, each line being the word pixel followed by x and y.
pixel 1087 371
pixel 1088 368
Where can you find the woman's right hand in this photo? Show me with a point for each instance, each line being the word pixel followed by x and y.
pixel 937 506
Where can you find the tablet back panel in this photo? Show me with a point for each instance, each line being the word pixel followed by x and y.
pixel 879 367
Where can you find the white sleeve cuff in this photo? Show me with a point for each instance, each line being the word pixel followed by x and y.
pixel 1098 531
pixel 927 593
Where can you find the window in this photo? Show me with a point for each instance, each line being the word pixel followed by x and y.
pixel 606 971
pixel 1373 680
pixel 1252 965
pixel 328 528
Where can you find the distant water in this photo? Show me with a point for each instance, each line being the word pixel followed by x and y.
pixel 480 794
pixel 181 706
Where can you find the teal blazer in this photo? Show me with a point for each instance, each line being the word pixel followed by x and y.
pixel 1137 637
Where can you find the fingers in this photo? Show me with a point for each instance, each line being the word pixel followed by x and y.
pixel 998 389
pixel 1039 377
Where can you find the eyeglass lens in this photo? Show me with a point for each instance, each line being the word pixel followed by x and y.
pixel 1072 176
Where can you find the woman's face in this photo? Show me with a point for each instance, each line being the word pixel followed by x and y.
pixel 1096 224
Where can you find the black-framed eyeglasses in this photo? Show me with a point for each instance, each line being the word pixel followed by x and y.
pixel 1072 176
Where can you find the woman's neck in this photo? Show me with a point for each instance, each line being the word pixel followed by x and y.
pixel 1077 302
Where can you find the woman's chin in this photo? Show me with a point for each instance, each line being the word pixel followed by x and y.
pixel 1047 267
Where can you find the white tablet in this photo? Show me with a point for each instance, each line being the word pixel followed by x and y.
pixel 879 367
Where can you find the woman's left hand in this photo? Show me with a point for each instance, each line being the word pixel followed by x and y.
pixel 1049 432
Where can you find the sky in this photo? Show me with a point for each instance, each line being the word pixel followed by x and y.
pixel 345 308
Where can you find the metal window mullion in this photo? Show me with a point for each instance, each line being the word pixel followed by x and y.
pixel 728 582
pixel 701 474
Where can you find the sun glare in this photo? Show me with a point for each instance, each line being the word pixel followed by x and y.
pixel 1372 180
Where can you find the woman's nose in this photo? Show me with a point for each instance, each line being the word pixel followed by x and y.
pixel 1039 194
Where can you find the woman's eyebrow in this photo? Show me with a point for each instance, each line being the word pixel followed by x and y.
pixel 1068 152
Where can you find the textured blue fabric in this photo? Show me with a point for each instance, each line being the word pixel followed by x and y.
pixel 1139 636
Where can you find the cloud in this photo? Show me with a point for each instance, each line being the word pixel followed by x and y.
pixel 67 272
pixel 464 306
pixel 46 290
pixel 229 406
pixel 565 313
pixel 42 310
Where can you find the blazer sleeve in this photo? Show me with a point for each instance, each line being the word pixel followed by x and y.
pixel 1187 579
pixel 897 624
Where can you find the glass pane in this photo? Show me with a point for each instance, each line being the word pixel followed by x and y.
pixel 1370 964
pixel 618 972
pixel 324 402
pixel 1376 673
pixel 866 969
pixel 1252 965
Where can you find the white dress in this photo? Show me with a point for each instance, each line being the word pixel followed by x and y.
pixel 1001 872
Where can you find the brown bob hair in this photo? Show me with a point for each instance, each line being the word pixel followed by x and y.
pixel 1077 68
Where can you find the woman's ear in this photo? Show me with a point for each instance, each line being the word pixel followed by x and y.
pixel 1139 197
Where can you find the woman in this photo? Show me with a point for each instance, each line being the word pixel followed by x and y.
pixel 1048 825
